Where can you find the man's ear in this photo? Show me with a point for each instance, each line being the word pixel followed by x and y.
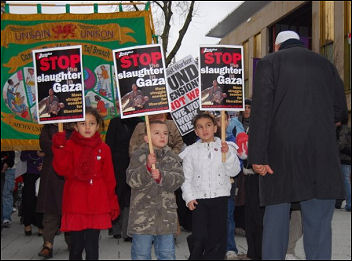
pixel 75 127
pixel 216 128
pixel 146 138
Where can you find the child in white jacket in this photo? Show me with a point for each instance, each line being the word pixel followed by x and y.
pixel 207 187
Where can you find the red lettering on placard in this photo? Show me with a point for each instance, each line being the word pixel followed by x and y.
pixel 222 58
pixel 140 59
pixel 62 62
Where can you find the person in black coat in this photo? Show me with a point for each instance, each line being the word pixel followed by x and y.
pixel 118 138
pixel 298 96
pixel 51 187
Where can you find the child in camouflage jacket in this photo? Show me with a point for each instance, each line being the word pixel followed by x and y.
pixel 153 209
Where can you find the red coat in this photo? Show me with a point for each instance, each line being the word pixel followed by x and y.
pixel 89 200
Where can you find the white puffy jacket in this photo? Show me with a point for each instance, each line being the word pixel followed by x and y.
pixel 205 174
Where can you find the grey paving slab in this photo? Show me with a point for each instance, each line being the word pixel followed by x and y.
pixel 16 246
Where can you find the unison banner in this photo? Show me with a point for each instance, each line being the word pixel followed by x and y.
pixel 140 73
pixel 221 77
pixel 98 34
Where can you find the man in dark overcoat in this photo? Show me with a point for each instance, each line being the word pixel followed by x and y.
pixel 298 96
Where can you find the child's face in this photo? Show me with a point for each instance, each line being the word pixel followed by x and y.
pixel 88 127
pixel 205 129
pixel 159 134
pixel 218 121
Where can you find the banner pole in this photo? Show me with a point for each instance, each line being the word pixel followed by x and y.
pixel 151 149
pixel 223 133
pixel 61 127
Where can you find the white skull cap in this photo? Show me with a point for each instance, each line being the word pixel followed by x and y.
pixel 286 35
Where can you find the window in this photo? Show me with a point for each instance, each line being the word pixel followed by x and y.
pixel 347 47
pixel 246 89
pixel 258 46
pixel 246 67
pixel 327 29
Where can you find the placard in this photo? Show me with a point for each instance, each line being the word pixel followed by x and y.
pixel 141 84
pixel 221 77
pixel 59 84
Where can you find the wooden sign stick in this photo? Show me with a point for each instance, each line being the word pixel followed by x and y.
pixel 61 126
pixel 151 149
pixel 223 133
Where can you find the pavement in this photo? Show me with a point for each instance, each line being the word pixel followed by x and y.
pixel 16 246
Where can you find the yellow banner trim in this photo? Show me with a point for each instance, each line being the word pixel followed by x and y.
pixel 48 32
pixel 20 125
pixel 18 144
pixel 99 16
pixel 26 57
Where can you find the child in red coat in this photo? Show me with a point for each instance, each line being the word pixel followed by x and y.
pixel 89 201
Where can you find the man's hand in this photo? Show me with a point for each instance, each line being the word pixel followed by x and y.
pixel 262 169
pixel 191 204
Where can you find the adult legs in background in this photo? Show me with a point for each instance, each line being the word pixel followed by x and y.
pixel 7 196
pixel 346 171
pixel 231 244
pixel 295 231
pixel 124 222
pixel 29 202
pixel 254 215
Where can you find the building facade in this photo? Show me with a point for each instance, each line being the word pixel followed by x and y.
pixel 324 27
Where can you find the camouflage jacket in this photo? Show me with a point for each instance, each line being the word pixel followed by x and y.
pixel 153 206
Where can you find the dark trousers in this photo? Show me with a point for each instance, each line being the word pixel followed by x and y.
pixel 29 202
pixel 316 219
pixel 209 230
pixel 254 217
pixel 87 240
pixel 51 225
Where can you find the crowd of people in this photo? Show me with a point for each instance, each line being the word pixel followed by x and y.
pixel 280 173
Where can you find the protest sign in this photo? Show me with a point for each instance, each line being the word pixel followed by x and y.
pixel 221 74
pixel 140 77
pixel 59 84
pixel 183 86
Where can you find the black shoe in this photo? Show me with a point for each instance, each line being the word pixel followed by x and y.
pixel 28 233
pixel 128 239
pixel 117 236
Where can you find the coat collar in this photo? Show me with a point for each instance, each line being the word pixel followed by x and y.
pixel 163 151
pixel 212 144
pixel 291 43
